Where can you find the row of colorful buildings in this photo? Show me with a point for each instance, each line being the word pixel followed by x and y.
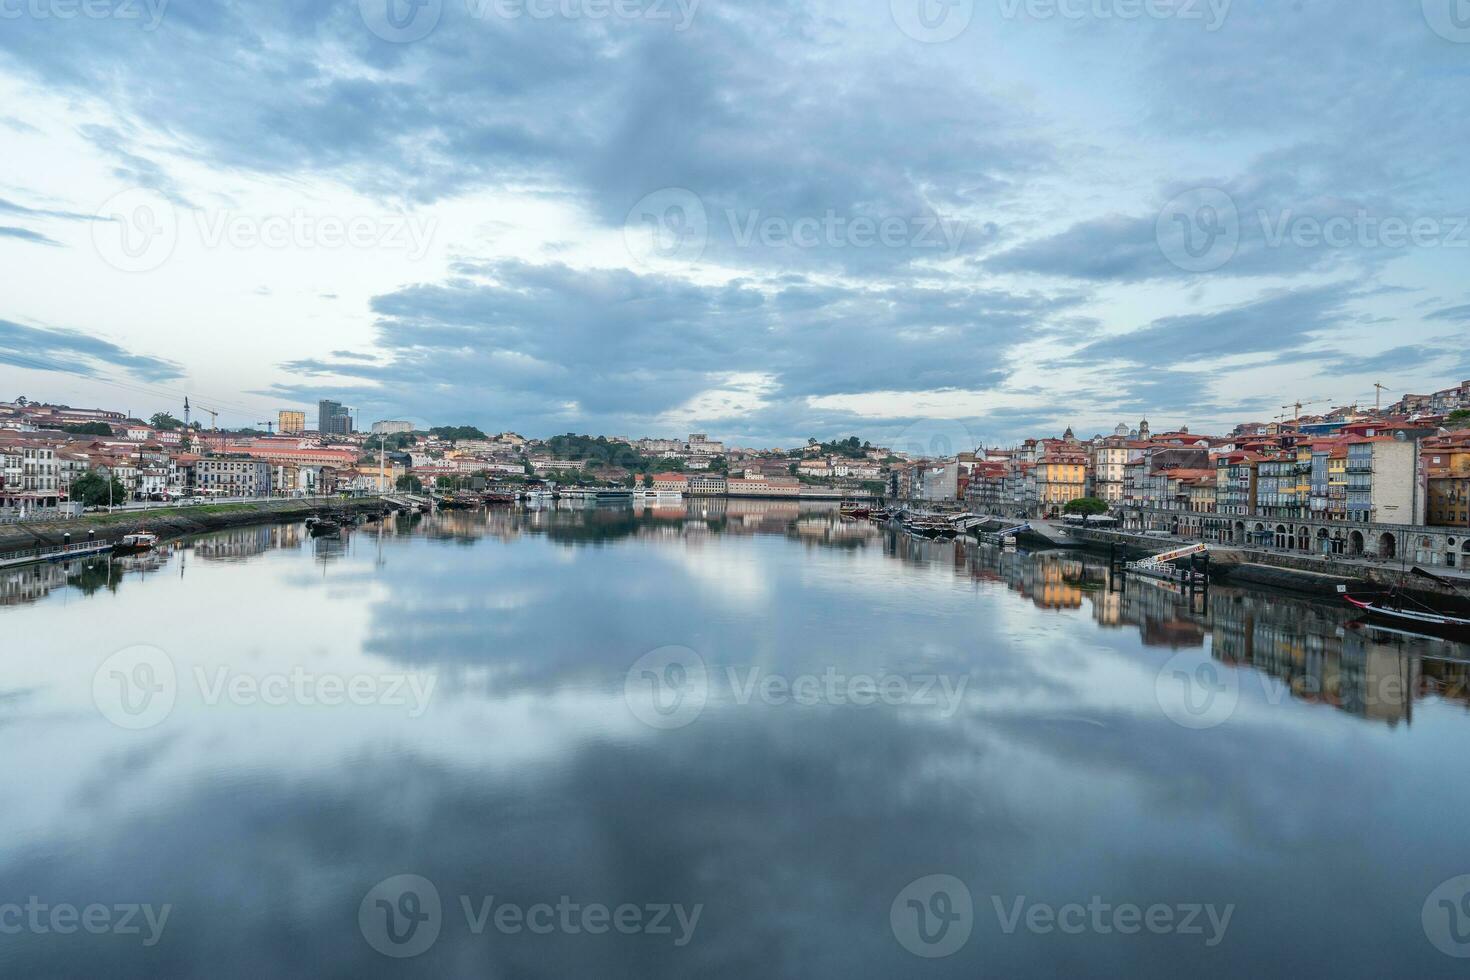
pixel 1349 466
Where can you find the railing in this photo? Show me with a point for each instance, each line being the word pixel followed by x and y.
pixel 52 550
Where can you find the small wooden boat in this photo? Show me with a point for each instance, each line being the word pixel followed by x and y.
pixel 135 543
pixel 855 510
pixel 320 526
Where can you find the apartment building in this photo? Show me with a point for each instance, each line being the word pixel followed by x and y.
pixel 1381 472
pixel 237 476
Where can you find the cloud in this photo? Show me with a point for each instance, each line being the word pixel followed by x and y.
pixel 74 352
pixel 519 341
pixel 1278 323
pixel 26 235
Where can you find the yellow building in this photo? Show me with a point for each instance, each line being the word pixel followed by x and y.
pixel 1060 479
pixel 291 423
pixel 1337 484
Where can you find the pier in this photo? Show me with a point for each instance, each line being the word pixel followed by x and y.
pixel 51 553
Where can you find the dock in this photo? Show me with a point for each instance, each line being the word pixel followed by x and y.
pixel 50 553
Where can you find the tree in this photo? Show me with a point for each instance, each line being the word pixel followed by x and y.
pixel 409 483
pixel 89 429
pixel 648 481
pixel 91 489
pixel 163 420
pixel 1459 419
pixel 457 433
pixel 1086 506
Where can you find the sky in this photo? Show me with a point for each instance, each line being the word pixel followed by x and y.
pixel 935 224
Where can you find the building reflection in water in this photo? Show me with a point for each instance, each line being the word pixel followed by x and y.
pixel 1315 651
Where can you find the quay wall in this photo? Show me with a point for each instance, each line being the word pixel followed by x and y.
pixel 1311 574
pixel 175 522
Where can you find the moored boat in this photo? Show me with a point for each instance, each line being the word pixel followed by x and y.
pixel 135 543
pixel 319 526
pixel 1431 614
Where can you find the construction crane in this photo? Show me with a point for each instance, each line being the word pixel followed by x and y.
pixel 1298 406
pixel 1378 396
pixel 270 427
pixel 213 415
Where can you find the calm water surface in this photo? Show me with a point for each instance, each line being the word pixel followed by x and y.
pixel 743 741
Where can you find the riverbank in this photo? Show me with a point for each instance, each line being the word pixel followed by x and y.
pixel 1314 575
pixel 174 522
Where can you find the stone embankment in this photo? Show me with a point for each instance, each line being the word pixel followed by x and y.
pixel 175 522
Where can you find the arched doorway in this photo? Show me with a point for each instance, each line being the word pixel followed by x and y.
pixel 1387 546
pixel 1355 543
pixel 1324 542
pixel 1240 532
pixel 1304 539
pixel 1283 537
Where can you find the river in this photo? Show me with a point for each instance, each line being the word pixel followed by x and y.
pixel 744 739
